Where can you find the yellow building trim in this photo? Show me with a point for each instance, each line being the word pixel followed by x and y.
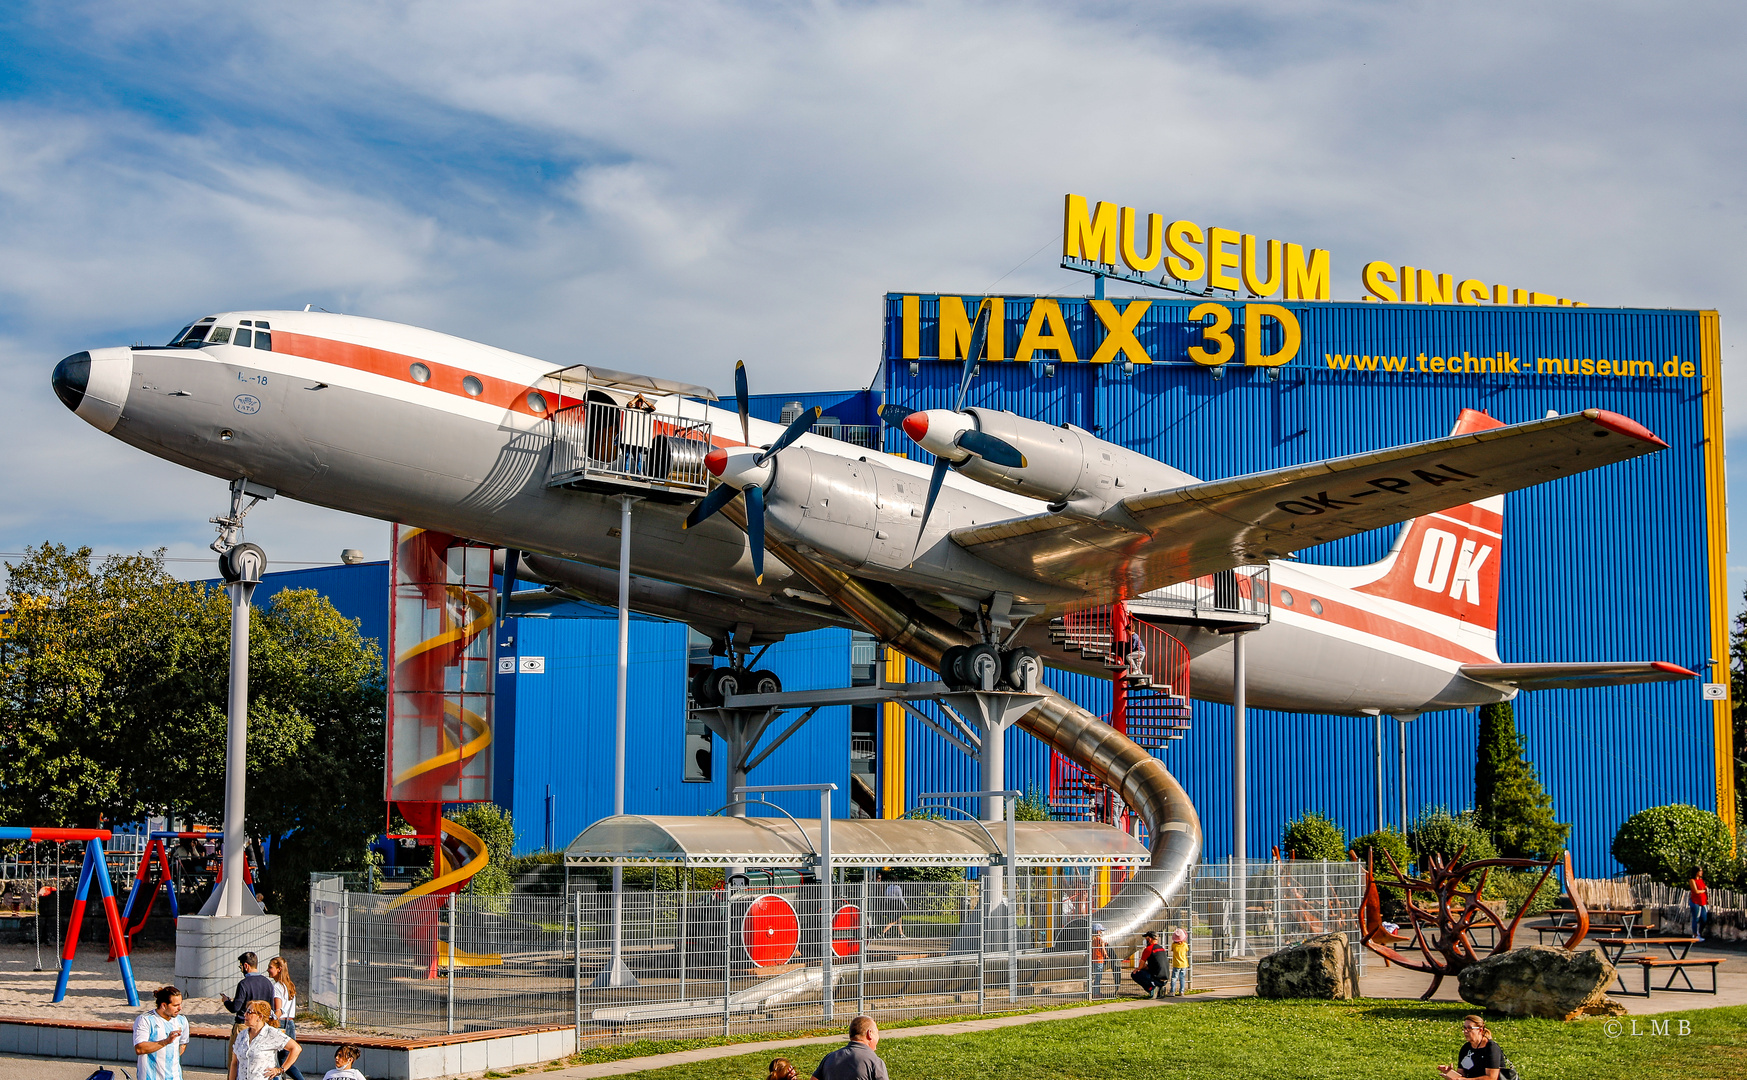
pixel 894 756
pixel 1717 536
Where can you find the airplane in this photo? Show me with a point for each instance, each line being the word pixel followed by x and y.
pixel 959 564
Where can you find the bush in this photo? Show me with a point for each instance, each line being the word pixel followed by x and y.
pixel 1313 836
pixel 1388 840
pixel 1669 842
pixel 1439 832
pixel 1512 887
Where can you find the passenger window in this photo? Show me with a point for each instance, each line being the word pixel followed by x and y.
pixel 473 386
pixel 420 373
pixel 536 401
pixel 221 335
pixel 243 338
pixel 263 340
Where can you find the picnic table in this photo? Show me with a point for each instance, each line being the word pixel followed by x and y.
pixel 1614 949
pixel 1599 917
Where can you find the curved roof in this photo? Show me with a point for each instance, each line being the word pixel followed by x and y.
pixel 781 841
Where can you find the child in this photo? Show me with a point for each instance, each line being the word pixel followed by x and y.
pixel 344 1058
pixel 1179 963
pixel 1104 957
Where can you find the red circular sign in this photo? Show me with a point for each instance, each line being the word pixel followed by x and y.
pixel 770 931
pixel 846 930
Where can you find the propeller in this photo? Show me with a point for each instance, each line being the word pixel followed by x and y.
pixel 745 470
pixel 959 434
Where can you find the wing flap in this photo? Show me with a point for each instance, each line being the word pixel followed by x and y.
pixel 1576 676
pixel 1159 538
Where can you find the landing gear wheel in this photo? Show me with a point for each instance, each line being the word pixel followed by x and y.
pixel 980 667
pixel 721 683
pixel 700 689
pixel 1023 668
pixel 949 666
pixel 764 682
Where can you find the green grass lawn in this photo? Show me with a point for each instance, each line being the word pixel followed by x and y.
pixel 1254 1038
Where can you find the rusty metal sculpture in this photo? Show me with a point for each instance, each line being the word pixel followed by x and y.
pixel 1459 910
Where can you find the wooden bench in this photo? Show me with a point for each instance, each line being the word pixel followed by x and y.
pixel 1676 968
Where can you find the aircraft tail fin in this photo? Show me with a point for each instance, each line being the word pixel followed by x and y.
pixel 1447 563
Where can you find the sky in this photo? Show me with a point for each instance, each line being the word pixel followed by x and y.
pixel 671 187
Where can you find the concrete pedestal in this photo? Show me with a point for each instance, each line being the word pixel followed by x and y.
pixel 207 947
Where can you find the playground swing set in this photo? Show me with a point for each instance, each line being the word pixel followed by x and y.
pixel 95 868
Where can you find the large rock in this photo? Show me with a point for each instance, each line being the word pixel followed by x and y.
pixel 1541 980
pixel 1318 967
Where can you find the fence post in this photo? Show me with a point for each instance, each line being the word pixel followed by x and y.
pixel 727 958
pixel 982 939
pixel 1089 993
pixel 1279 906
pixel 345 934
pixel 684 916
pixel 1322 873
pixel 452 898
pixel 576 976
pixel 861 952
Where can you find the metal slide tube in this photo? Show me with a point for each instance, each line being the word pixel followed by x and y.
pixel 1139 778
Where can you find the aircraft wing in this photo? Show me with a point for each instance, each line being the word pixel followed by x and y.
pixel 1575 676
pixel 1159 538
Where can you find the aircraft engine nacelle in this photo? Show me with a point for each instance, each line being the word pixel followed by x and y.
pixel 1066 466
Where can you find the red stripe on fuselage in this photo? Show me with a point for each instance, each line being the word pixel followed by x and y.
pixel 1370 622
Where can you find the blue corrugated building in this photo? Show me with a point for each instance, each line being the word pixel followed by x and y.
pixel 1622 563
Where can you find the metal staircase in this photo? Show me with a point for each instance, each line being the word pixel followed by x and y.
pixel 1152 697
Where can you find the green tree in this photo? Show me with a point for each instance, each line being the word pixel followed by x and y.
pixel 1510 804
pixel 1313 836
pixel 113 688
pixel 1438 832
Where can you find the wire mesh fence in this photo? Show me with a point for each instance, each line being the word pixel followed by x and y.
pixel 780 952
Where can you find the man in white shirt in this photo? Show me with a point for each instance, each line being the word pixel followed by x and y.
pixel 160 1037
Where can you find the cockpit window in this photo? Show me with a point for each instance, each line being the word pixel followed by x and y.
pixel 261 324
pixel 195 334
pixel 220 335
pixel 244 334
pixel 182 333
pixel 263 340
pixel 246 322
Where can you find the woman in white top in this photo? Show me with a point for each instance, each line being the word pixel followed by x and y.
pixel 255 1050
pixel 284 1007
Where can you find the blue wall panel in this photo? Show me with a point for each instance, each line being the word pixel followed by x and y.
pixel 1607 565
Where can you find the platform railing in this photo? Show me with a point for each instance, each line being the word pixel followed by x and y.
pixel 601 443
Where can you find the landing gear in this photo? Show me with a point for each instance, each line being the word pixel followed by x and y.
pixel 711 688
pixel 988 667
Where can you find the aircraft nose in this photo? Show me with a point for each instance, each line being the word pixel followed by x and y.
pixel 71 377
pixel 94 385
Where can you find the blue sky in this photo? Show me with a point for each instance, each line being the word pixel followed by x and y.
pixel 677 186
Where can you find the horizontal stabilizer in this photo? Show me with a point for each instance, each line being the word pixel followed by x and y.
pixel 1575 676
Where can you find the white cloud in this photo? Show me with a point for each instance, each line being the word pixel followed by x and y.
pixel 679 185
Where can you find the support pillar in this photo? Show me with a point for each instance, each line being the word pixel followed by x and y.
pixel 1239 767
pixel 1402 720
pixel 616 973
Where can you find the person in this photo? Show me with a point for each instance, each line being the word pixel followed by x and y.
pixel 780 1069
pixel 344 1058
pixel 250 989
pixel 255 1049
pixel 637 435
pixel 1699 897
pixel 857 1061
pixel 1146 966
pixel 1136 653
pixel 1479 1056
pixel 160 1037
pixel 1104 958
pixel 1179 963
pixel 284 1006
pixel 895 909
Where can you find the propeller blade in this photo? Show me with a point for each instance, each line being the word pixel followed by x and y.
pixel 742 400
pixel 974 352
pixel 894 415
pixel 721 495
pixel 992 450
pixel 755 529
pixel 794 431
pixel 941 465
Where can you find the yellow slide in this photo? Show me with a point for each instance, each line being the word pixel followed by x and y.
pixel 443 877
